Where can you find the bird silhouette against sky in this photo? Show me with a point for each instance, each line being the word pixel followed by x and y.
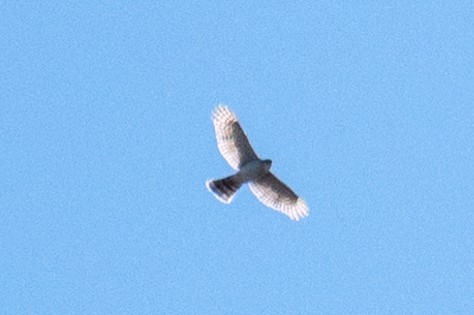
pixel 237 151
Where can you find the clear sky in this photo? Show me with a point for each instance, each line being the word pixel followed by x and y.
pixel 366 109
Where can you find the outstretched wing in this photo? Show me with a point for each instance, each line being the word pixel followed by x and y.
pixel 231 139
pixel 276 195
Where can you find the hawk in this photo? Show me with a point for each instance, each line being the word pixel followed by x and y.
pixel 237 151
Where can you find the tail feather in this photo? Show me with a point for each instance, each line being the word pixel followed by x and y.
pixel 224 189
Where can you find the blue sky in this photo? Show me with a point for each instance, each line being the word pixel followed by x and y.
pixel 365 108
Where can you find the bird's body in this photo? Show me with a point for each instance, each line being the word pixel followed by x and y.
pixel 254 169
pixel 237 151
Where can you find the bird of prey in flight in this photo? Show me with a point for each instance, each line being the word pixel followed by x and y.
pixel 237 151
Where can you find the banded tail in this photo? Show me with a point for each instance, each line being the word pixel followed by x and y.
pixel 224 189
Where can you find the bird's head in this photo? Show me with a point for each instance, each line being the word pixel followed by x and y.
pixel 268 164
